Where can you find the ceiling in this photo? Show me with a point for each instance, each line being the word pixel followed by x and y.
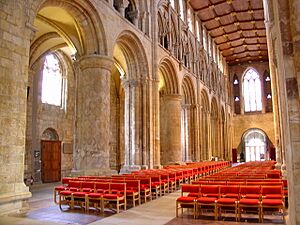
pixel 56 29
pixel 236 26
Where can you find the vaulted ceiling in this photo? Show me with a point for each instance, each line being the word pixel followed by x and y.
pixel 236 26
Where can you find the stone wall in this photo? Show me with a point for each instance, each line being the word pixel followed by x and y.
pixel 42 116
pixel 242 123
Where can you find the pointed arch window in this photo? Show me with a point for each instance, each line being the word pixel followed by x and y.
pixel 181 10
pixel 53 84
pixel 236 95
pixel 252 91
pixel 172 2
pixel 268 92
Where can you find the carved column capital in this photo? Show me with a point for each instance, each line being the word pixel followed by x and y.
pixel 96 61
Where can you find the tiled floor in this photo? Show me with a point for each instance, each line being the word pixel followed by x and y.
pixel 157 212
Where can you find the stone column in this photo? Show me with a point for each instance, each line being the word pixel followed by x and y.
pixel 171 129
pixel 122 5
pixel 92 128
pixel 156 113
pixel 197 133
pixel 145 122
pixel 132 148
pixel 14 58
pixel 209 135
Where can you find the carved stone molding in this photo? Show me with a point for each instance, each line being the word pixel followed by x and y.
pixel 96 61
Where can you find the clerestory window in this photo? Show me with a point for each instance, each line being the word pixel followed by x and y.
pixel 53 84
pixel 252 91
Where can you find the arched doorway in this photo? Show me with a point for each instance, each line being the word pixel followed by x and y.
pixel 255 143
pixel 50 156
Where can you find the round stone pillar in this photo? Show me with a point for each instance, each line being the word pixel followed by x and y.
pixel 92 128
pixel 170 129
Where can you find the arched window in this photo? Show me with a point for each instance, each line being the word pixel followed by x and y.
pixel 190 19
pixel 52 85
pixel 181 10
pixel 236 94
pixel 172 2
pixel 252 91
pixel 255 145
pixel 267 92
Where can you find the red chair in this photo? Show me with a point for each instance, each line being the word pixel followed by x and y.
pixel 63 187
pixel 96 197
pixel 79 197
pixel 230 191
pixel 210 191
pixel 133 191
pixel 189 194
pixel 271 205
pixel 65 197
pixel 249 205
pixel 145 189
pixel 272 192
pixel 250 192
pixel 116 196
pixel 229 204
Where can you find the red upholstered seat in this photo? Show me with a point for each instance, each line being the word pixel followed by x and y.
pixel 248 201
pixel 79 194
pixel 193 194
pixel 271 202
pixel 206 200
pixel 112 196
pixel 273 196
pixel 254 196
pixel 66 192
pixel 186 199
pixel 226 201
pixel 95 195
pixel 231 195
pixel 60 188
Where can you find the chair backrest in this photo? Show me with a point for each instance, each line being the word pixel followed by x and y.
pixel 74 184
pixel 102 186
pixel 88 184
pixel 250 189
pixel 271 190
pixel 226 189
pixel 235 183
pixel 200 182
pixel 209 189
pixel 189 188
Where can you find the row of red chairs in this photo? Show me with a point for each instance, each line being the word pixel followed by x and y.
pixel 93 194
pixel 140 184
pixel 231 197
pixel 237 188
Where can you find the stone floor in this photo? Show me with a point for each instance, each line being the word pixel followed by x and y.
pixel 157 212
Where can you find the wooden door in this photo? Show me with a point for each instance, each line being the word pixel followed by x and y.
pixel 51 161
pixel 234 155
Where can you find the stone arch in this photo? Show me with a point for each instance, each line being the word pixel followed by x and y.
pixel 169 114
pixel 204 124
pixel 90 38
pixel 170 80
pixel 129 56
pixel 50 134
pixel 261 149
pixel 135 56
pixel 223 135
pixel 188 90
pixel 188 112
pixel 214 119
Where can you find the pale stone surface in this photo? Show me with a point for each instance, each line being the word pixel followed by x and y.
pixel 147 127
